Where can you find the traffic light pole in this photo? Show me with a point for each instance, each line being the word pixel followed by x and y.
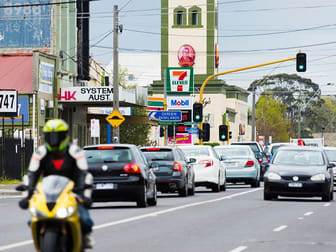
pixel 233 71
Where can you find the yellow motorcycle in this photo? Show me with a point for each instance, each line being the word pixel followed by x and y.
pixel 55 221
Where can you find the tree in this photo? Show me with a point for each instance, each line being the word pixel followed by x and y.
pixel 271 119
pixel 299 94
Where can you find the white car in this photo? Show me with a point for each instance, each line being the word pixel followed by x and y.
pixel 209 171
pixel 331 155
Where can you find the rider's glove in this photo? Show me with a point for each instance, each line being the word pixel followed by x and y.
pixel 24 203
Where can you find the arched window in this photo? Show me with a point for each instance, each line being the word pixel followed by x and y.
pixel 195 16
pixel 180 17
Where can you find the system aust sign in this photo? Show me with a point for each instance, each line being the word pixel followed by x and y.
pixel 180 80
pixel 179 102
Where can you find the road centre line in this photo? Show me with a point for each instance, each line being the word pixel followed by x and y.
pixel 308 213
pixel 239 249
pixel 114 223
pixel 278 229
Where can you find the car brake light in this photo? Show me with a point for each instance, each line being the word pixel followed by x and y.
pixel 207 163
pixel 260 161
pixel 152 149
pixel 132 168
pixel 177 167
pixel 249 163
pixel 268 158
pixel 105 147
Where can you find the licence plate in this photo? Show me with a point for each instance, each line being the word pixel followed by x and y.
pixel 105 186
pixel 294 184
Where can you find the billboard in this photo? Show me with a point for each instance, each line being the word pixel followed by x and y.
pixel 25 23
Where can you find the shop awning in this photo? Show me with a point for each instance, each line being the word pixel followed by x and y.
pixel 16 72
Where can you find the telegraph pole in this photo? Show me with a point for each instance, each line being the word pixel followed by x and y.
pixel 115 69
pixel 253 114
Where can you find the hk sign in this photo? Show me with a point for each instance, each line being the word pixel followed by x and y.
pixel 84 94
pixel 179 102
pixel 180 80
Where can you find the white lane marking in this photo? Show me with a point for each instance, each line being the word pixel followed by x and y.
pixel 16 245
pixel 327 204
pixel 113 223
pixel 300 218
pixel 10 197
pixel 24 243
pixel 308 213
pixel 239 249
pixel 278 229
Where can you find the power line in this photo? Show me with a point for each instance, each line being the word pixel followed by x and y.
pixel 41 4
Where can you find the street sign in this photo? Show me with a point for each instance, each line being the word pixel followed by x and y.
pixel 8 103
pixel 190 123
pixel 166 115
pixel 115 118
pixel 192 130
pixel 165 123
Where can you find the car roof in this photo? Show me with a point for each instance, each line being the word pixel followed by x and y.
pixel 158 147
pixel 329 148
pixel 195 146
pixel 303 148
pixel 115 145
pixel 232 146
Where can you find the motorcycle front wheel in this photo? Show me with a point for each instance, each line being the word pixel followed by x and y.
pixel 49 242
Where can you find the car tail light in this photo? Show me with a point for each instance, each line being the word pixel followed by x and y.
pixel 207 163
pixel 132 168
pixel 153 149
pixel 249 163
pixel 268 158
pixel 177 167
pixel 105 147
pixel 260 161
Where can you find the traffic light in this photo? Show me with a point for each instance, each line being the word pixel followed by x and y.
pixel 301 60
pixel 161 131
pixel 223 132
pixel 197 112
pixel 205 133
pixel 230 134
pixel 170 131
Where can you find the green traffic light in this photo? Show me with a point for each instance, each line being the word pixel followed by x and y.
pixel 223 137
pixel 197 117
pixel 300 67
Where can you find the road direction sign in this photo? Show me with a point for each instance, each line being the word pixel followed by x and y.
pixel 166 115
pixel 192 130
pixel 115 118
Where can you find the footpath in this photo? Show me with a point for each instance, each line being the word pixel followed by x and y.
pixel 6 190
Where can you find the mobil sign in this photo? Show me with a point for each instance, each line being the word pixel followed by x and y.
pixel 179 102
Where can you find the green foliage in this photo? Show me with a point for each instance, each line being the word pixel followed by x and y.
pixel 6 181
pixel 135 133
pixel 271 119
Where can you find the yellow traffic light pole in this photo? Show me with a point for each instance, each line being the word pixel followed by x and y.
pixel 233 71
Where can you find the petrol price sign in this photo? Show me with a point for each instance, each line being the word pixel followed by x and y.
pixel 8 103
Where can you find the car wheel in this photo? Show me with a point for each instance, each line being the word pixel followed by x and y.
pixel 223 187
pixel 216 186
pixel 267 196
pixel 332 195
pixel 192 190
pixel 326 197
pixel 255 183
pixel 153 201
pixel 183 192
pixel 142 198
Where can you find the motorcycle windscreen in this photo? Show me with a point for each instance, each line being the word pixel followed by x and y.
pixel 53 186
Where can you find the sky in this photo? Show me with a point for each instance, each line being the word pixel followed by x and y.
pixel 250 32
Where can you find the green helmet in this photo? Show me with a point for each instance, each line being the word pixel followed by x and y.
pixel 56 134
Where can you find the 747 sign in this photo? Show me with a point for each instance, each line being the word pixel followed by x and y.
pixel 8 103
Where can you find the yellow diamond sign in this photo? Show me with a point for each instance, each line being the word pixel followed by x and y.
pixel 115 118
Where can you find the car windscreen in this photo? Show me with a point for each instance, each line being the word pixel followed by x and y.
pixel 232 152
pixel 196 151
pixel 108 155
pixel 298 157
pixel 158 155
pixel 331 154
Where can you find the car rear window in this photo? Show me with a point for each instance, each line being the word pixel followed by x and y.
pixel 196 151
pixel 157 154
pixel 298 158
pixel 331 154
pixel 253 146
pixel 108 155
pixel 232 152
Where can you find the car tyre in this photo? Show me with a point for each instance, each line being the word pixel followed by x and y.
pixel 183 192
pixel 192 190
pixel 267 196
pixel 255 183
pixel 326 197
pixel 216 186
pixel 142 198
pixel 153 201
pixel 223 187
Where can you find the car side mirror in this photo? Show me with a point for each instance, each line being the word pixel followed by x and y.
pixel 331 165
pixel 191 160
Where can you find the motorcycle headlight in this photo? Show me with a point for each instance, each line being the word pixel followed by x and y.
pixel 273 176
pixel 65 212
pixel 36 213
pixel 318 177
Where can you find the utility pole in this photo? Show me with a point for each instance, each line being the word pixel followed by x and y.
pixel 115 69
pixel 253 114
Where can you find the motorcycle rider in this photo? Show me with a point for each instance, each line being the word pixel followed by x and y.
pixel 58 157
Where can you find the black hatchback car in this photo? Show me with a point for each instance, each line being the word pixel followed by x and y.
pixel 299 172
pixel 173 172
pixel 121 173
